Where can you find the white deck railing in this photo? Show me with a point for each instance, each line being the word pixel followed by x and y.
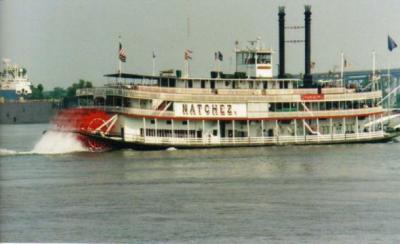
pixel 225 95
pixel 250 114
pixel 276 140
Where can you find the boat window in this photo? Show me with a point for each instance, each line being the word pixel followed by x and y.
pixel 251 85
pixel 190 83
pixel 212 84
pixel 215 132
pixel 251 58
pixel 264 58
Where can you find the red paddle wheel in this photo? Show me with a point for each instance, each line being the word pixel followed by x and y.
pixel 83 122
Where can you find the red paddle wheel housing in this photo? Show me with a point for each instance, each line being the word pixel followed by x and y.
pixel 83 121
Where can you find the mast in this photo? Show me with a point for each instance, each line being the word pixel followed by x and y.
pixel 281 16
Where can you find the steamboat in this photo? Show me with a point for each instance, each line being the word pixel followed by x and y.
pixel 247 108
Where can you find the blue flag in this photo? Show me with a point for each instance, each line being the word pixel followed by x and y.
pixel 391 44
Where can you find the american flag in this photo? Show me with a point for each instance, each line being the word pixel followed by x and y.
pixel 188 54
pixel 122 53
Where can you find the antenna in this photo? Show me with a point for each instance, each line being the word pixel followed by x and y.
pixel 188 20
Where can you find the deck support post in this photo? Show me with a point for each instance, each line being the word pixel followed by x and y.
pixel 262 128
pixel 373 126
pixel 233 130
pixel 331 127
pixel 172 128
pixel 144 128
pixel 203 133
pixel 155 127
pixel 248 129
pixel 188 128
pixel 277 131
pixel 304 130
pixel 381 122
pixel 344 127
pixel 357 135
pixel 295 130
pixel 218 131
pixel 318 133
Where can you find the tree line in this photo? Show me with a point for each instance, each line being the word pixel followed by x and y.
pixel 59 93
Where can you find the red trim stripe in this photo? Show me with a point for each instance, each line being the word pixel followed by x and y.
pixel 250 119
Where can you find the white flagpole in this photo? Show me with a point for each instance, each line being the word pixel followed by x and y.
pixel 120 68
pixel 341 68
pixel 389 80
pixel 218 65
pixel 119 60
pixel 154 64
pixel 188 68
pixel 373 70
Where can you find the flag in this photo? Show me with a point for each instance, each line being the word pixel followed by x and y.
pixel 188 54
pixel 122 53
pixel 220 56
pixel 312 65
pixel 154 54
pixel 391 43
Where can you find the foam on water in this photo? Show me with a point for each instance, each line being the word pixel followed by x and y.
pixel 52 142
pixel 5 152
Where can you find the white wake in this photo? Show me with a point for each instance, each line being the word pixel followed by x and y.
pixel 52 142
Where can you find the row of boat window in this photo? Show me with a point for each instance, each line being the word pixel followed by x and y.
pixel 317 106
pixel 237 84
pixel 273 107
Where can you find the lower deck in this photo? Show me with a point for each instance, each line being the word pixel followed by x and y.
pixel 150 142
pixel 225 133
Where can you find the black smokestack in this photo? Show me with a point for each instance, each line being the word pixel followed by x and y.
pixel 281 16
pixel 308 80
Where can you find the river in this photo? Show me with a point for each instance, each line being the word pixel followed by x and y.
pixel 52 190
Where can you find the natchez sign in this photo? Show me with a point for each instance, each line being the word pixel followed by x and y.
pixel 210 110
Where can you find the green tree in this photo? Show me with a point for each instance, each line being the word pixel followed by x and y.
pixel 37 92
pixel 71 91
pixel 58 93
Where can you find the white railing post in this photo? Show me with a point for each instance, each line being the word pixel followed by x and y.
pixel 357 127
pixel 344 127
pixel 172 129
pixel 233 131
pixel 144 128
pixel 188 129
pixel 262 130
pixel 156 128
pixel 318 132
pixel 204 131
pixel 248 130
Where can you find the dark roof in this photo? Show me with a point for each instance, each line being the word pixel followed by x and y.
pixel 133 76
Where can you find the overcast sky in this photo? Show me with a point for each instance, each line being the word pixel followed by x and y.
pixel 61 41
